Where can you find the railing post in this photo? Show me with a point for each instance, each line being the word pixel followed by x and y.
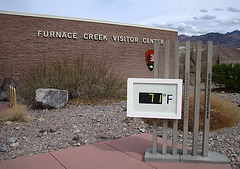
pixel 207 99
pixel 197 98
pixel 186 98
pixel 166 76
pixel 156 75
pixel 176 76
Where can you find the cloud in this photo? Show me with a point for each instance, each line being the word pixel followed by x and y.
pixel 231 22
pixel 200 25
pixel 179 26
pixel 231 9
pixel 196 18
pixel 203 10
pixel 205 17
pixel 218 9
pixel 208 17
pixel 184 28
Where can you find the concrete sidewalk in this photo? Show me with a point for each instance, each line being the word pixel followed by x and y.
pixel 124 153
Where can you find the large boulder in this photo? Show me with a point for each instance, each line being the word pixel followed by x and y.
pixel 51 98
pixel 4 90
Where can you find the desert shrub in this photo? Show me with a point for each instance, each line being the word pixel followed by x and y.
pixel 227 75
pixel 81 79
pixel 17 113
pixel 223 113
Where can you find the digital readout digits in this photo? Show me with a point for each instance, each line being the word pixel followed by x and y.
pixel 154 98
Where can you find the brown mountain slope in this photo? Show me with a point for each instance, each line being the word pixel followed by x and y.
pixel 226 54
pixel 230 39
pixel 221 54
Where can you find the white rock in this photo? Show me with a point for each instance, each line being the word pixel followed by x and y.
pixel 8 123
pixel 11 140
pixel 51 98
pixel 41 119
pixel 3 149
pixel 14 145
pixel 77 131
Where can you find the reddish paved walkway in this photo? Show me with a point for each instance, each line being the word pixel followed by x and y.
pixel 124 153
pixel 4 109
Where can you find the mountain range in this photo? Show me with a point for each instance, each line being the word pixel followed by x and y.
pixel 230 39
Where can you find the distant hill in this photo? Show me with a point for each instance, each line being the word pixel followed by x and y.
pixel 226 49
pixel 221 54
pixel 231 39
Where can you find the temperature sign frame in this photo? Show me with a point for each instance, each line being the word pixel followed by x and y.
pixel 154 98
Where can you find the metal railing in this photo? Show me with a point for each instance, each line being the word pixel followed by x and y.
pixel 185 149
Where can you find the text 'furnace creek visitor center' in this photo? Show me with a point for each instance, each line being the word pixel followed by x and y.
pixel 30 40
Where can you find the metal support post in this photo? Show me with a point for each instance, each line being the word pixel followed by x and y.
pixel 166 76
pixel 186 98
pixel 197 98
pixel 176 76
pixel 156 75
pixel 207 100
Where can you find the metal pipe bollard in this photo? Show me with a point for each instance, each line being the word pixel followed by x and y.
pixel 12 94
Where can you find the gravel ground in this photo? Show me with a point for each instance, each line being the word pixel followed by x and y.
pixel 79 125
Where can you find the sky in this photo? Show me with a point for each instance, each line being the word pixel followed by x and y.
pixel 189 17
